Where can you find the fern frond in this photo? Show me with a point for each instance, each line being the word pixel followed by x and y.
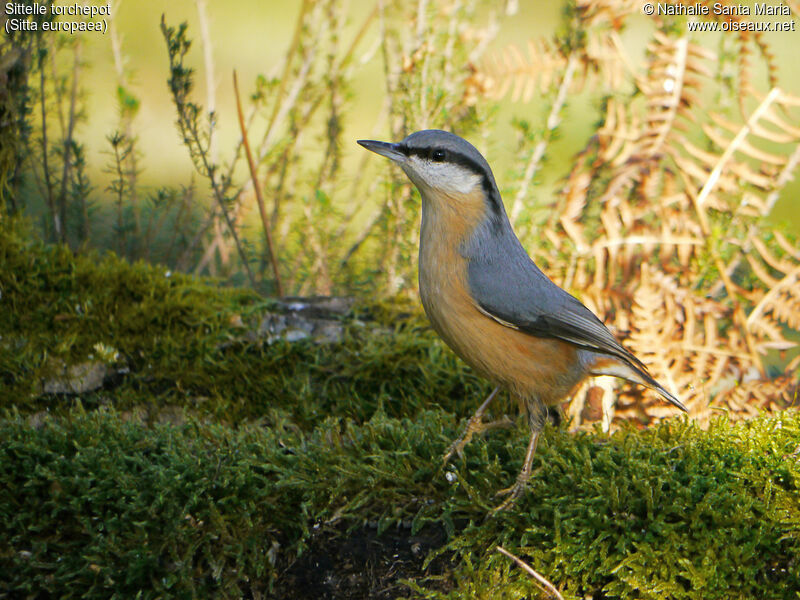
pixel 511 70
pixel 753 396
pixel 782 301
pixel 676 177
pixel 652 334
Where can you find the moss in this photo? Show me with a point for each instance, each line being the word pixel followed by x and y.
pixel 107 506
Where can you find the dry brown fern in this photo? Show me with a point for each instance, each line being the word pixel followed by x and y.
pixel 523 76
pixel 658 227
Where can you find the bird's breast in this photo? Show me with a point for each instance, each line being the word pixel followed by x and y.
pixel 542 367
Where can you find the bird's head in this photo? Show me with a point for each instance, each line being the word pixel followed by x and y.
pixel 447 169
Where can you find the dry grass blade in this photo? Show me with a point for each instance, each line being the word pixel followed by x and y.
pixel 544 584
pixel 257 188
pixel 287 65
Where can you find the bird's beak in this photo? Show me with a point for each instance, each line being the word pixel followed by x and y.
pixel 386 149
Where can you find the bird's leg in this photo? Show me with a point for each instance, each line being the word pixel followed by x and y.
pixel 537 417
pixel 515 491
pixel 476 425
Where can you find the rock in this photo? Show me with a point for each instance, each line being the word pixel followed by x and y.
pixel 318 306
pixel 77 379
pixel 317 318
pixel 80 378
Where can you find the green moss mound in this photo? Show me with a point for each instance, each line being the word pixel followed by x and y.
pixel 99 506
pixel 186 342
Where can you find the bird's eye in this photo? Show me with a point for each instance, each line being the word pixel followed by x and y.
pixel 438 155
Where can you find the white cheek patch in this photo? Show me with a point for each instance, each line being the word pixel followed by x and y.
pixel 446 178
pixel 459 180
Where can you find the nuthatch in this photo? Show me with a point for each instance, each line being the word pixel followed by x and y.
pixel 489 301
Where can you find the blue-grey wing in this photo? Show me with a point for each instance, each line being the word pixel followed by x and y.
pixel 507 286
pixel 516 292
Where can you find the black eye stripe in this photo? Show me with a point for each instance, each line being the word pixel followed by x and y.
pixel 492 196
pixel 449 156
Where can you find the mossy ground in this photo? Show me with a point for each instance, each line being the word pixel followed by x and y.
pixel 218 466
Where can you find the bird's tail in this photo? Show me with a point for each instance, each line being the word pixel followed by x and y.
pixel 631 372
pixel 653 384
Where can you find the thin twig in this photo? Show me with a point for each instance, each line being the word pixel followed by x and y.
pixel 68 141
pixel 543 583
pixel 208 63
pixel 365 233
pixel 45 164
pixel 187 124
pixel 259 198
pixel 119 188
pixel 553 121
pixel 126 123
pixel 291 99
pixel 294 93
pixel 287 65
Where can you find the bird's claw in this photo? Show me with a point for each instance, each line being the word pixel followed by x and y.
pixel 513 492
pixel 457 447
pixel 474 425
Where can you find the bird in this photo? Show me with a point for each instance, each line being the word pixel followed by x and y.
pixel 489 301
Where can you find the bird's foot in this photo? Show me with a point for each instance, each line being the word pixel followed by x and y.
pixel 513 492
pixel 516 490
pixel 474 425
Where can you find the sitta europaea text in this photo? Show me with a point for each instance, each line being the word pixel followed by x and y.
pixel 489 301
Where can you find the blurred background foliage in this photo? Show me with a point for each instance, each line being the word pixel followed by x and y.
pixel 314 77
